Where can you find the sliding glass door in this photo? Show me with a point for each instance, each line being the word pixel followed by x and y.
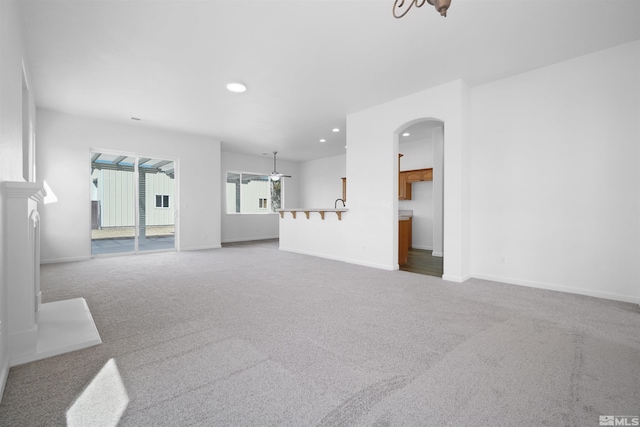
pixel 132 204
pixel 156 198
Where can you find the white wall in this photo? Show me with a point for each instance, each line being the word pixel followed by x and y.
pixel 368 232
pixel 416 154
pixel 12 55
pixel 320 187
pixel 64 146
pixel 242 227
pixel 555 176
pixel 419 155
pixel 321 182
pixel 11 67
pixel 372 172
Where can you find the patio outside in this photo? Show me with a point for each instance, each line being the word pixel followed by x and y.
pixel 114 240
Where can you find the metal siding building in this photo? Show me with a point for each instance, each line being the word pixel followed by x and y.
pixel 115 192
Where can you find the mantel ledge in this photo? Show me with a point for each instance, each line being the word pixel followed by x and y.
pixel 22 189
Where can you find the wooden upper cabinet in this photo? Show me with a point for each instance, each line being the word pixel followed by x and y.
pixel 414 176
pixel 405 178
pixel 418 175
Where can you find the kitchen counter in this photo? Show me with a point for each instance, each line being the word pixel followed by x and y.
pixel 404 214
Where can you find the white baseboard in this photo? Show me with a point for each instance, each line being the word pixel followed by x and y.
pixel 347 260
pixel 57 260
pixel 438 254
pixel 200 248
pixel 457 279
pixel 249 239
pixel 559 288
pixel 372 265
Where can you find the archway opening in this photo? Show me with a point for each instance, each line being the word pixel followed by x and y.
pixel 420 149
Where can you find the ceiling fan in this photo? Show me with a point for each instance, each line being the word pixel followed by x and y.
pixel 275 175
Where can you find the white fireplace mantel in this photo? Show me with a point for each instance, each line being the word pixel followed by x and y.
pixel 36 330
pixel 24 190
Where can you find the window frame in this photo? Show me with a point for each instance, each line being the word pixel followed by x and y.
pixel 163 197
pixel 266 211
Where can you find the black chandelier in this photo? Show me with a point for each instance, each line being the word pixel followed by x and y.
pixel 399 9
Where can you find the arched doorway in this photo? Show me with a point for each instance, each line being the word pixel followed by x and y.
pixel 421 196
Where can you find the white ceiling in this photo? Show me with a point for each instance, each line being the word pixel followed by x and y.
pixel 307 63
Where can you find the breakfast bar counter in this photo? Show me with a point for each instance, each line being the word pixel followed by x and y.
pixel 307 211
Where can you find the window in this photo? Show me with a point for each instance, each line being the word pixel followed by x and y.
pixel 162 200
pixel 252 193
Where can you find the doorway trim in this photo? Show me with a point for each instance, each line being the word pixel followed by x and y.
pixel 438 178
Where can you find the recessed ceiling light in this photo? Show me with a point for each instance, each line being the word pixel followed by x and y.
pixel 236 87
pixel 336 130
pixel 323 140
pixel 406 134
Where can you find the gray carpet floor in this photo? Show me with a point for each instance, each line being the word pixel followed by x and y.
pixel 249 335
